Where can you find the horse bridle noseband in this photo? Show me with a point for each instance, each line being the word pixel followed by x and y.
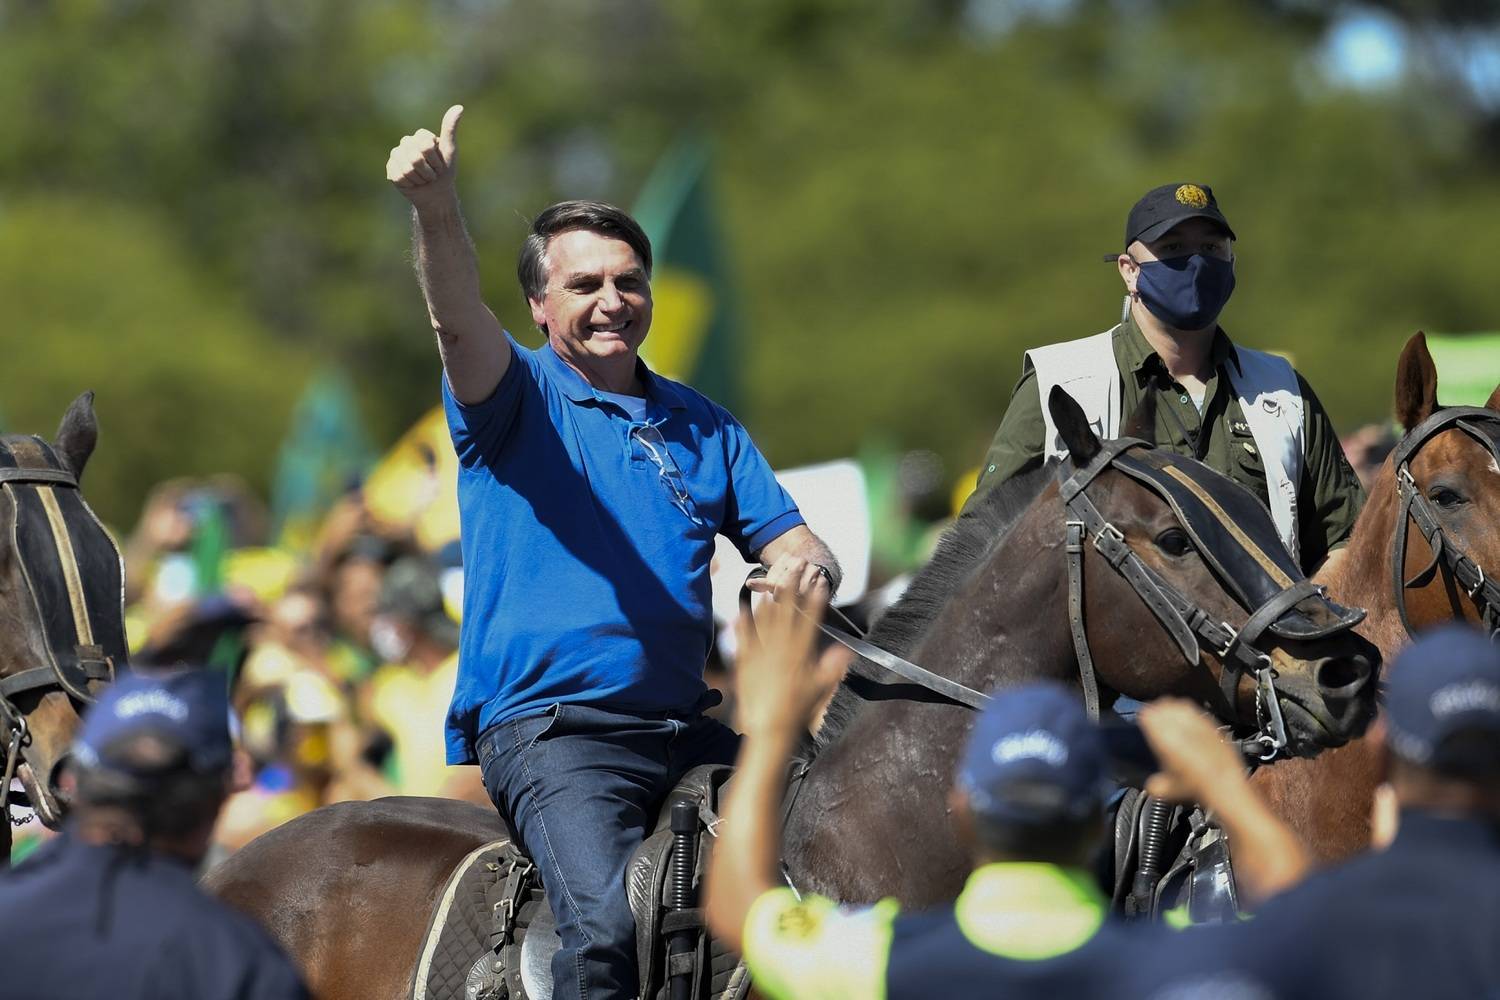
pixel 1416 507
pixel 69 671
pixel 1185 620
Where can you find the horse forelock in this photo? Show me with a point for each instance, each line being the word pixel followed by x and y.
pixel 964 547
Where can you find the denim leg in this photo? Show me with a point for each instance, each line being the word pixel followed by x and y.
pixel 700 740
pixel 579 786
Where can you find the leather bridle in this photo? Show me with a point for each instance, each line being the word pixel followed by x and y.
pixel 1416 507
pixel 1186 621
pixel 71 667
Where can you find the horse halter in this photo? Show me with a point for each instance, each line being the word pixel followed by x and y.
pixel 1258 572
pixel 76 590
pixel 1415 506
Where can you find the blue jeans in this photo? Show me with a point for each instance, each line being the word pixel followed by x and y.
pixel 581 788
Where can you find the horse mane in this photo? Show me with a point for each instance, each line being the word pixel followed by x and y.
pixel 963 548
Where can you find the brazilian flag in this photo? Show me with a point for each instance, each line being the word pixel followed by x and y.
pixel 693 336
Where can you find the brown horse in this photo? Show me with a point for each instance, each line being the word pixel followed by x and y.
pixel 347 889
pixel 1328 800
pixel 62 618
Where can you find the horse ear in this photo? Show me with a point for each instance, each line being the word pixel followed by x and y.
pixel 78 433
pixel 1142 421
pixel 1072 426
pixel 1493 403
pixel 1416 383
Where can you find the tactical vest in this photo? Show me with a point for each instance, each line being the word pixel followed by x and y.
pixel 1265 384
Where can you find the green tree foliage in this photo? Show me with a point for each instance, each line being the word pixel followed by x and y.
pixel 193 212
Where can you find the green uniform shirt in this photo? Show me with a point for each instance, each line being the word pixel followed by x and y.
pixel 1328 497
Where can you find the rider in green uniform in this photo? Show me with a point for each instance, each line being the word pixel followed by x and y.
pixel 1178 271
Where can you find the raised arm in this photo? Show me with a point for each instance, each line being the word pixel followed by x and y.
pixel 1198 765
pixel 473 346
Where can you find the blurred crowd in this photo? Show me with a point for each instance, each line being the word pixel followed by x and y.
pixel 340 655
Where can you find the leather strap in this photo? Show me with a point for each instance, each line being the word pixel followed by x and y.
pixel 1416 508
pixel 1086 675
pixel 48 477
pixel 948 689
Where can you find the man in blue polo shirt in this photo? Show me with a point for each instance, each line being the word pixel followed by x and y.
pixel 110 907
pixel 590 491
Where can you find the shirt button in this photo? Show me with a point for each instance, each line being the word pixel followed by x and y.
pixel 1183 398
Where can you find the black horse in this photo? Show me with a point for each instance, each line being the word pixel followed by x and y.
pixel 62 618
pixel 347 889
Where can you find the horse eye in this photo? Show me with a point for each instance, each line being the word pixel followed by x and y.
pixel 1174 542
pixel 1444 497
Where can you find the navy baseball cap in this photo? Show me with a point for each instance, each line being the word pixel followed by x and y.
pixel 1163 207
pixel 188 709
pixel 1445 683
pixel 1034 757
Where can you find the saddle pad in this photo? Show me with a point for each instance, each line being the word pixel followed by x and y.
pixel 458 933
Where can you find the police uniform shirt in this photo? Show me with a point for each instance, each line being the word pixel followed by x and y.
pixel 1017 930
pixel 84 921
pixel 1420 919
pixel 1329 495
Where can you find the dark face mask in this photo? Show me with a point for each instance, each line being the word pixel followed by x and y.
pixel 1186 293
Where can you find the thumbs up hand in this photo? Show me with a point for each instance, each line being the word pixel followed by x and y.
pixel 423 165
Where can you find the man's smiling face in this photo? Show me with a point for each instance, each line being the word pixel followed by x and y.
pixel 597 302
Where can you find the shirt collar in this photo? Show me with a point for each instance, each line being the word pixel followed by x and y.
pixel 1143 360
pixel 1030 910
pixel 578 389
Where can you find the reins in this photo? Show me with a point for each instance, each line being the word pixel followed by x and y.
pixel 1416 507
pixel 945 688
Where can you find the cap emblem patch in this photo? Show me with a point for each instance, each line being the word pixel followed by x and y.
pixel 1192 196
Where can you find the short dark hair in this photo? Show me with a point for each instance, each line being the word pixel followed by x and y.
pixel 1061 842
pixel 596 217
pixel 160 790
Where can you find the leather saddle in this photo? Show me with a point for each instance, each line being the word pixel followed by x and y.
pixel 492 934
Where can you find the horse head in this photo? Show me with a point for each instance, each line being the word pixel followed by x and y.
pixel 1442 482
pixel 62 629
pixel 1191 593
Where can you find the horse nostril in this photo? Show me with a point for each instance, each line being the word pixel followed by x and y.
pixel 60 790
pixel 1342 676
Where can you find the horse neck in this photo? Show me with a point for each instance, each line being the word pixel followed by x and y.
pixel 877 792
pixel 1362 578
pixel 988 634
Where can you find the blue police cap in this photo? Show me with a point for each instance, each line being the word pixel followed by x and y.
pixel 188 709
pixel 1034 757
pixel 1444 683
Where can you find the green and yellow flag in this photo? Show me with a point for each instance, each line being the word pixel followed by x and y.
pixel 693 335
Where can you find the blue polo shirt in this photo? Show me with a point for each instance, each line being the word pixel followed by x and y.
pixel 587 535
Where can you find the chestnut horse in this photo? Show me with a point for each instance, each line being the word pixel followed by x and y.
pixel 62 618
pixel 348 889
pixel 1328 800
